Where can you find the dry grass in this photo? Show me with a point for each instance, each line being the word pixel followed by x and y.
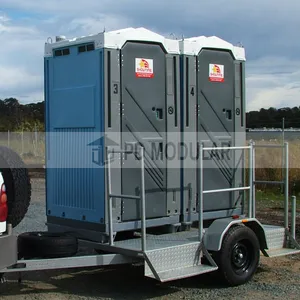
pixel 269 162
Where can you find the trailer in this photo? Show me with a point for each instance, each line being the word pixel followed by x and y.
pixel 112 100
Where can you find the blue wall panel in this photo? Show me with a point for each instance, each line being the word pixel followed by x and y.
pixel 74 119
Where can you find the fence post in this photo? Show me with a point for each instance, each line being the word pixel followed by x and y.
pixel 22 141
pixel 8 139
pixel 286 186
pixel 293 224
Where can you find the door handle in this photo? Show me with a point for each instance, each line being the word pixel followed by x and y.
pixel 159 113
pixel 228 113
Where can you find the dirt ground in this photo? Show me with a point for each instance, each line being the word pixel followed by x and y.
pixel 275 278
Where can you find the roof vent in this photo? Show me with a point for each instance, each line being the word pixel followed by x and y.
pixel 60 38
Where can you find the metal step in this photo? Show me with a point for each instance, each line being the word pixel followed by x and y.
pixel 176 262
pixel 276 242
pixel 169 256
pixel 183 273
pixel 275 236
pixel 281 252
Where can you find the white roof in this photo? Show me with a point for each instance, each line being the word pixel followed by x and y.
pixel 116 39
pixel 192 46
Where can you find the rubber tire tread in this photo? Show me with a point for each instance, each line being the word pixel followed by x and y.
pixel 223 257
pixel 18 185
pixel 46 245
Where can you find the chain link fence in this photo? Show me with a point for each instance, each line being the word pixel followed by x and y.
pixel 29 145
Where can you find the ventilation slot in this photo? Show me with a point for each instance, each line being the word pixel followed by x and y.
pixel 86 48
pixel 62 52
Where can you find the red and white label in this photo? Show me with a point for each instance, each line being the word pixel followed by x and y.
pixel 216 72
pixel 144 68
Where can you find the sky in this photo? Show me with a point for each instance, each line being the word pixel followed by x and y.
pixel 267 29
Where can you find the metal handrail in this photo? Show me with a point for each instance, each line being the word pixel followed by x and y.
pixel 226 148
pixel 243 188
pixel 142 196
pixel 202 192
pixel 285 180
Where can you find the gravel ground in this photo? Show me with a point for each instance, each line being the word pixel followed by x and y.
pixel 276 278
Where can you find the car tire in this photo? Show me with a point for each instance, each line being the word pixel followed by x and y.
pixel 46 245
pixel 18 186
pixel 239 256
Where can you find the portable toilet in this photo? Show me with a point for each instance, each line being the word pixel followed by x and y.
pixel 119 89
pixel 213 114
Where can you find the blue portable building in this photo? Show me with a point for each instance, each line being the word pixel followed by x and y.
pixel 119 89
pixel 124 89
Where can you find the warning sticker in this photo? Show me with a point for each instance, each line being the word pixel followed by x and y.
pixel 144 68
pixel 216 72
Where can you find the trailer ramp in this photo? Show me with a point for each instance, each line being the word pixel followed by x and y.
pixel 168 256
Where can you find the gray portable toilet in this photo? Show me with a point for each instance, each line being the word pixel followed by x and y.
pixel 120 89
pixel 213 113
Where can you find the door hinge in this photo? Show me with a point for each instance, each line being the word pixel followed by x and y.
pixel 197 109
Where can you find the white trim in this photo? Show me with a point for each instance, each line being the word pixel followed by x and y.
pixel 116 40
pixel 192 46
pixel 2 227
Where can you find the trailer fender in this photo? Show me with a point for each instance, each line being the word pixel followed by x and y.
pixel 215 233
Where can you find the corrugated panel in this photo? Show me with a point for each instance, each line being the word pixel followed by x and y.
pixel 75 119
pixel 73 186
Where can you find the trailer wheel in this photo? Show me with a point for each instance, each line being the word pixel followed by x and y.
pixel 17 182
pixel 46 245
pixel 239 256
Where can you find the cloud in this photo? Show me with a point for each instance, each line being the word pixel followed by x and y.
pixel 18 78
pixel 273 81
pixel 267 29
pixel 98 23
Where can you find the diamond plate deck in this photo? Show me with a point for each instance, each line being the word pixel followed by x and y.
pixel 282 252
pixel 275 236
pixel 155 242
pixel 176 257
pixel 171 256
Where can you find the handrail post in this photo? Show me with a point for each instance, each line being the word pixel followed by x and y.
pixel 286 186
pixel 253 181
pixel 250 201
pixel 200 215
pixel 143 200
pixel 293 224
pixel 110 218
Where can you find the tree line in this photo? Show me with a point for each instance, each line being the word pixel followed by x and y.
pixel 272 118
pixel 15 116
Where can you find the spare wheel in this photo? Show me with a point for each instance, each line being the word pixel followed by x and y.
pixel 17 183
pixel 46 245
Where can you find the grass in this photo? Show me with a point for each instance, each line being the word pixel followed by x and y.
pixel 269 164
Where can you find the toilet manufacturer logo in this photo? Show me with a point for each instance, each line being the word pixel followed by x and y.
pixel 144 68
pixel 216 73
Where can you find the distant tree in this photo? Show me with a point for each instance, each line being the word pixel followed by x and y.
pixel 272 118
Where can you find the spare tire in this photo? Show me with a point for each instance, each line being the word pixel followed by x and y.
pixel 46 245
pixel 17 182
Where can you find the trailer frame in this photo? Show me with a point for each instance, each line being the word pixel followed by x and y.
pixel 177 255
